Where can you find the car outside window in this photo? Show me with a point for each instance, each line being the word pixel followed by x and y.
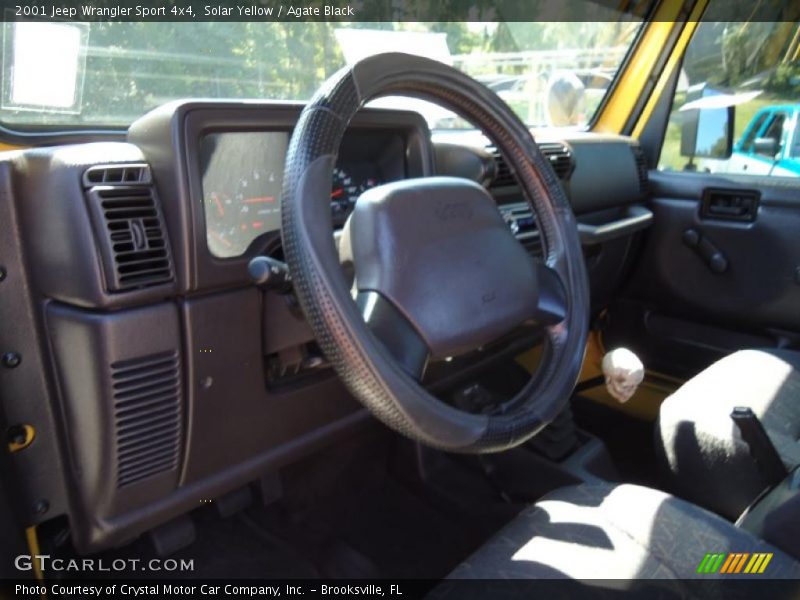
pixel 736 107
pixel 752 131
pixel 775 129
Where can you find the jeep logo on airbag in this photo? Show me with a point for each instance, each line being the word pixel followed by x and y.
pixel 447 211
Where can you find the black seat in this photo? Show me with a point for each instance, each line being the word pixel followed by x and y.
pixel 605 531
pixel 701 446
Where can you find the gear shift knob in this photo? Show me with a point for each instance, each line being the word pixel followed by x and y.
pixel 623 372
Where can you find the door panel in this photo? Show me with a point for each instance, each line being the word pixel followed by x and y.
pixel 707 285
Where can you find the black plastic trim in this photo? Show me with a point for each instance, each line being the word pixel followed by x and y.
pixel 49 137
pixel 635 218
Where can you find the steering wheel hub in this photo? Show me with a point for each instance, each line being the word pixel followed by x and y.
pixel 439 251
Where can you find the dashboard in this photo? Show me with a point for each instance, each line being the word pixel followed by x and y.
pixel 169 375
pixel 218 166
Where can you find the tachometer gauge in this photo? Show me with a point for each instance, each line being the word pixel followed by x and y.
pixel 250 208
pixel 344 193
pixel 367 184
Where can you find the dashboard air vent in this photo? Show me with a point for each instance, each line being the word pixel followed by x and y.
pixel 147 416
pixel 116 174
pixel 559 155
pixel 641 167
pixel 522 223
pixel 533 245
pixel 503 176
pixel 130 229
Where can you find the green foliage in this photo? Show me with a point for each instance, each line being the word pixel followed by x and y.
pixel 132 67
pixel 735 55
pixel 784 80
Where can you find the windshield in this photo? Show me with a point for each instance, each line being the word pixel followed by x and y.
pixel 109 74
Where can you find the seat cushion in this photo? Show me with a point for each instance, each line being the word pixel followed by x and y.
pixel 605 531
pixel 701 445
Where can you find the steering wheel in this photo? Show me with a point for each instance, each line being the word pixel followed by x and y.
pixel 437 270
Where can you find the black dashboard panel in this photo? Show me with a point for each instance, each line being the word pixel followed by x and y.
pixel 604 177
pixel 57 229
pixel 187 333
pixel 609 172
pixel 598 172
pixel 378 144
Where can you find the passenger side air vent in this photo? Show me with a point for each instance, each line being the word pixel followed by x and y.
pixel 641 168
pixel 147 416
pixel 559 155
pixel 129 227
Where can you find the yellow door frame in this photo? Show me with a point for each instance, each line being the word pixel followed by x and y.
pixel 623 99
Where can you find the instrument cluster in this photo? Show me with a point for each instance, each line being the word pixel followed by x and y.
pixel 242 179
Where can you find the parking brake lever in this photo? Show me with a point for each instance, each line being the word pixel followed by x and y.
pixel 761 448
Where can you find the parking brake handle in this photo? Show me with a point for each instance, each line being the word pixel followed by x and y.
pixel 761 448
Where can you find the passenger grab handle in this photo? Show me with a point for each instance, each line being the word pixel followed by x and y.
pixel 635 218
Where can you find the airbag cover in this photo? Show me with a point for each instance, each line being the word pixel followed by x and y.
pixel 438 249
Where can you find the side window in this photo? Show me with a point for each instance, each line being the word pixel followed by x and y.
pixel 753 129
pixel 775 128
pixel 736 107
pixel 795 151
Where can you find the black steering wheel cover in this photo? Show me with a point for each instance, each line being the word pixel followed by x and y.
pixel 362 362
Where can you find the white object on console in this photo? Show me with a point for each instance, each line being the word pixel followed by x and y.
pixel 623 372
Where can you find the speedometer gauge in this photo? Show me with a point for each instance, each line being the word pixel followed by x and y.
pixel 242 180
pixel 242 175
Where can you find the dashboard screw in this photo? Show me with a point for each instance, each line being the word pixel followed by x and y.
pixel 11 360
pixel 41 506
pixel 2 273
